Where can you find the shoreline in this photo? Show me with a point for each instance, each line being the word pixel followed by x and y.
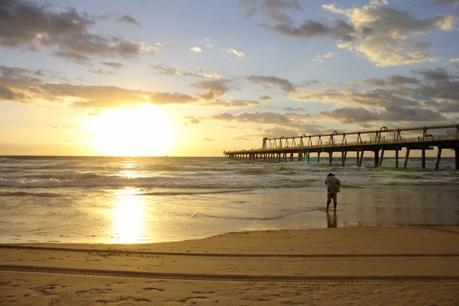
pixel 209 243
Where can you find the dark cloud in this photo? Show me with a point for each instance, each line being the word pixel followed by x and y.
pixel 283 84
pixel 265 98
pixel 275 9
pixel 112 65
pixel 27 24
pixel 427 98
pixel 22 85
pixel 310 28
pixel 7 94
pixel 214 88
pixel 439 74
pixel 258 117
pixel 392 81
pixel 129 20
pixel 351 115
pixel 446 106
pixel 391 113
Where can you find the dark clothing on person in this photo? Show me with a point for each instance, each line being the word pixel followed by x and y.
pixel 333 187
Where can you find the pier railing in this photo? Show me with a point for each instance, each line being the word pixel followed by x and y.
pixel 420 138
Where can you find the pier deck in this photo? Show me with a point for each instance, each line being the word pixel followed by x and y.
pixel 299 148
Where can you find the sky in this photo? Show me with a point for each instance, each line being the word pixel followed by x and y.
pixel 195 78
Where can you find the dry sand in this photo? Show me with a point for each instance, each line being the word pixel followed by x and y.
pixel 344 266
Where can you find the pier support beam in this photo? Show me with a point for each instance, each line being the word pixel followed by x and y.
pixel 423 152
pixel 456 152
pixel 343 157
pixel 358 157
pixel 437 163
pixel 406 158
pixel 308 156
pixel 381 158
pixel 376 158
pixel 300 156
pixel 330 157
pixel 396 158
pixel 318 157
pixel 361 158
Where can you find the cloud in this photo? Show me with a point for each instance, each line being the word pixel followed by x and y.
pixel 427 95
pixel 275 9
pixel 25 24
pixel 265 98
pixel 236 53
pixel 192 120
pixel 310 28
pixel 385 36
pixel 173 71
pixel 392 81
pixel 321 58
pixel 26 86
pixel 129 20
pixel 235 103
pixel 208 139
pixel 167 98
pixel 214 88
pixel 112 65
pixel 392 113
pixel 196 49
pixel 258 117
pixel 276 132
pixel 274 124
pixel 388 37
pixel 438 74
pixel 283 84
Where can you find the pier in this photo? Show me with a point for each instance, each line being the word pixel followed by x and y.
pixel 374 142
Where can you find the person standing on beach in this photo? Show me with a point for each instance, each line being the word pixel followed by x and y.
pixel 333 185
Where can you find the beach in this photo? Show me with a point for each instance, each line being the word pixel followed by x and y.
pixel 208 231
pixel 345 266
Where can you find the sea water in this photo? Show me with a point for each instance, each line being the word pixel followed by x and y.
pixel 142 200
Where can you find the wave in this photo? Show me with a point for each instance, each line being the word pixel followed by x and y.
pixel 278 217
pixel 29 194
pixel 175 193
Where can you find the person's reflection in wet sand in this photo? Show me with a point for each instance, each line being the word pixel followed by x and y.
pixel 331 222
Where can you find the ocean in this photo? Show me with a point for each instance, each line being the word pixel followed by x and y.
pixel 156 199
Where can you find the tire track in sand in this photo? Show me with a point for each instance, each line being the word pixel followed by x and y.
pixel 227 277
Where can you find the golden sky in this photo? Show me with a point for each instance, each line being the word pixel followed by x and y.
pixel 194 78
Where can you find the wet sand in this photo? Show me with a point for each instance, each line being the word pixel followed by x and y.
pixel 343 266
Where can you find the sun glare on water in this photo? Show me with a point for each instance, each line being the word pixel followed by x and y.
pixel 141 131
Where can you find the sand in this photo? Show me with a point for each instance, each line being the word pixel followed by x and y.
pixel 343 266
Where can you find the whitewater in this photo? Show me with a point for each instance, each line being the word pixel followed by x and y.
pixel 153 199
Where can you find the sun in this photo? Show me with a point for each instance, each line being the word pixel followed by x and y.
pixel 140 131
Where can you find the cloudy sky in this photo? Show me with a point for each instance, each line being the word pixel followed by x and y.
pixel 196 77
